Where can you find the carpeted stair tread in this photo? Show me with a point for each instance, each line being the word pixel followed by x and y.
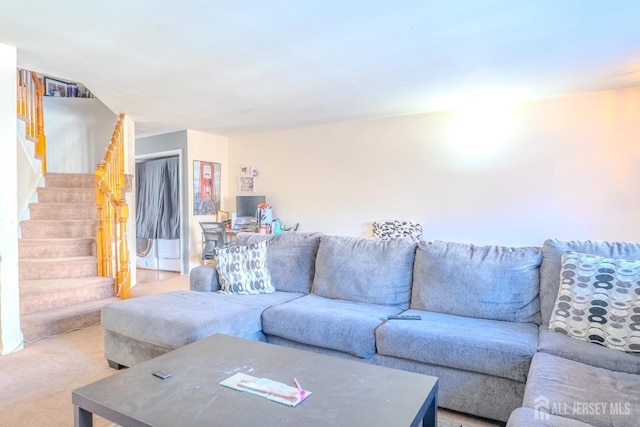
pixel 42 229
pixel 62 211
pixel 47 294
pixel 57 247
pixel 73 180
pixel 64 319
pixel 66 195
pixel 69 259
pixel 56 268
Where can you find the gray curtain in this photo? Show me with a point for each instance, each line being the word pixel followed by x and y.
pixel 157 203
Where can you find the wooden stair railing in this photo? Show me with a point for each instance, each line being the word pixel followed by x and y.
pixel 111 241
pixel 29 106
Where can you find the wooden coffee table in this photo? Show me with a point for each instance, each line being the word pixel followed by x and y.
pixel 344 392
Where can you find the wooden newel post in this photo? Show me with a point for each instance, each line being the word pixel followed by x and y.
pixel 124 279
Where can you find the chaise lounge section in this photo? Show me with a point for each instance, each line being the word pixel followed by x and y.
pixel 575 382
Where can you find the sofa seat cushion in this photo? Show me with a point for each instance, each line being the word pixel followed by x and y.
pixel 562 345
pixel 345 326
pixel 586 393
pixel 371 271
pixel 487 282
pixel 174 319
pixel 491 347
pixel 291 258
pixel 527 417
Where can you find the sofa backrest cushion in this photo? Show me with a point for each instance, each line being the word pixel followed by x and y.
pixel 487 282
pixel 552 251
pixel 365 270
pixel 291 258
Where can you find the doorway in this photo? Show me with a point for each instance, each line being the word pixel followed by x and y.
pixel 158 212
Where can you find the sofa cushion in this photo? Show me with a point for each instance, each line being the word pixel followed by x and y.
pixel 243 270
pixel 562 345
pixel 586 393
pixel 487 282
pixel 174 319
pixel 527 417
pixel 599 301
pixel 552 251
pixel 291 258
pixel 365 270
pixel 491 347
pixel 345 326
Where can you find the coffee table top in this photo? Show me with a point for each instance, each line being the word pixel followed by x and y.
pixel 344 392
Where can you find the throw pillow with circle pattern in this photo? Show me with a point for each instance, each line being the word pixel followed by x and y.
pixel 387 230
pixel 599 301
pixel 243 269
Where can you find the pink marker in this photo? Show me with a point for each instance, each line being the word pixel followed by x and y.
pixel 300 389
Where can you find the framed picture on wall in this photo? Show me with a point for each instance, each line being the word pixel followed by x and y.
pixel 53 87
pixel 206 187
pixel 247 184
pixel 247 170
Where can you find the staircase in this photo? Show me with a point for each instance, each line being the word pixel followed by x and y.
pixel 59 285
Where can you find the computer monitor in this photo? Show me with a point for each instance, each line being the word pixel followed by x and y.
pixel 247 205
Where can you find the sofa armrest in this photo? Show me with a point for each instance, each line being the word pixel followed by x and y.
pixel 204 278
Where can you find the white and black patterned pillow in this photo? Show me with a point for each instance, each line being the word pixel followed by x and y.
pixel 387 230
pixel 599 301
pixel 243 269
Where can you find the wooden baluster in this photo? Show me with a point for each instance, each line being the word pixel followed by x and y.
pixel 31 111
pixel 109 236
pixel 100 238
pixel 21 95
pixel 41 145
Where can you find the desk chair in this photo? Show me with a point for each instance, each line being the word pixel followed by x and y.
pixel 213 236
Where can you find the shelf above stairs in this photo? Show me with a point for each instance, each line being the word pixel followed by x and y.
pixel 59 286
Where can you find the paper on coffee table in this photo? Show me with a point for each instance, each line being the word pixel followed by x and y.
pixel 272 390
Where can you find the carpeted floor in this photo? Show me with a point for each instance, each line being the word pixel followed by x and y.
pixel 36 382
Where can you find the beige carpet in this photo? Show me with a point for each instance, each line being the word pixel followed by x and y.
pixel 36 383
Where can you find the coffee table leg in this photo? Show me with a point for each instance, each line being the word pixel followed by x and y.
pixel 431 416
pixel 82 417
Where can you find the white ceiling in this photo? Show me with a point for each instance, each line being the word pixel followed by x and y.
pixel 242 66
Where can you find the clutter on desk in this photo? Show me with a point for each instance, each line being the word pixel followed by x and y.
pixel 253 214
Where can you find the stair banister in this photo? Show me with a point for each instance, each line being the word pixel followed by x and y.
pixel 113 212
pixel 30 90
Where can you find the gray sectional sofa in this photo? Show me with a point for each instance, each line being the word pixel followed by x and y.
pixel 483 329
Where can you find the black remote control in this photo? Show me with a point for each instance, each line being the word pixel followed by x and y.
pixel 162 375
pixel 404 317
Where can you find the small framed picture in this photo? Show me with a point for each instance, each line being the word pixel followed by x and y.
pixel 53 87
pixel 247 184
pixel 246 170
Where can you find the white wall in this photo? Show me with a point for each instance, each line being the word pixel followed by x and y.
pixel 567 169
pixel 78 132
pixel 10 334
pixel 208 148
